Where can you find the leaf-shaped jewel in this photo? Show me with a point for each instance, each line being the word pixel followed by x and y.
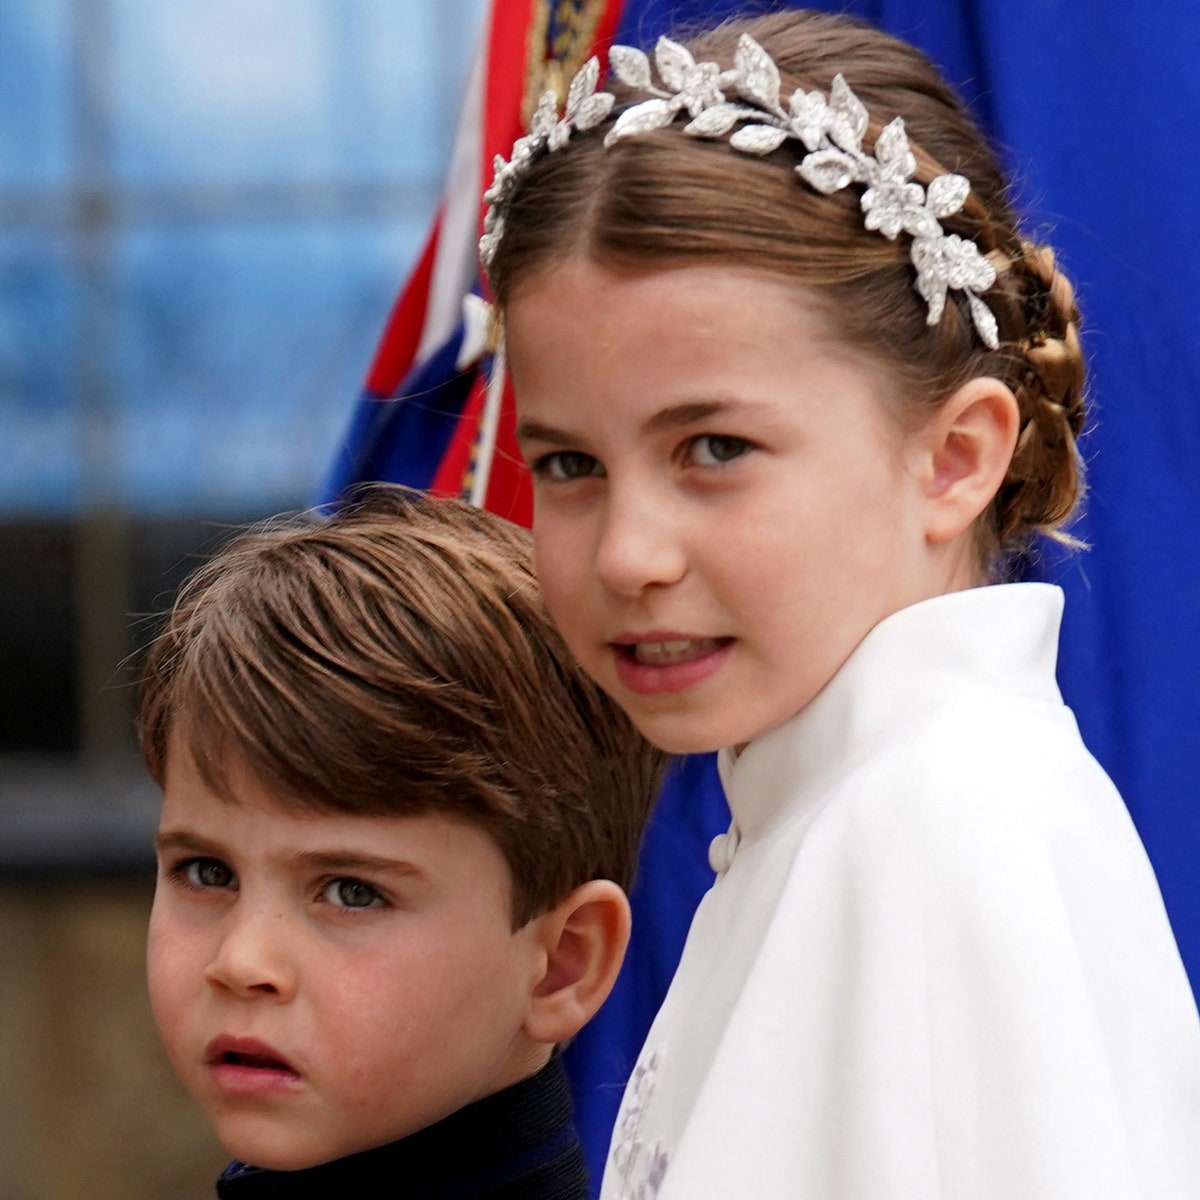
pixel 560 135
pixel 947 194
pixel 490 241
pixel 673 61
pixel 715 121
pixel 892 152
pixel 502 183
pixel 890 207
pixel 827 171
pixel 700 90
pixel 954 261
pixel 758 139
pixel 524 148
pixel 545 116
pixel 631 66
pixel 919 222
pixel 808 111
pixel 965 266
pixel 931 276
pixel 594 110
pixel 985 322
pixel 847 119
pixel 758 76
pixel 583 85
pixel 641 118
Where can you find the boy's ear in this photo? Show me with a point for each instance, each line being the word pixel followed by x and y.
pixel 583 939
pixel 967 447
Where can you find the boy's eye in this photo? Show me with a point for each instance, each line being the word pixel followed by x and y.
pixel 713 449
pixel 351 893
pixel 207 873
pixel 564 465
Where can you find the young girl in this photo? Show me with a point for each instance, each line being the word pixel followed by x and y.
pixel 793 387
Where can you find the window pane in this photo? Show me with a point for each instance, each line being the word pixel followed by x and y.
pixel 267 90
pixel 39 433
pixel 242 348
pixel 34 93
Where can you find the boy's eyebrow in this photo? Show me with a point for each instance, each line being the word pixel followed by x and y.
pixel 352 860
pixel 321 860
pixel 678 415
pixel 182 839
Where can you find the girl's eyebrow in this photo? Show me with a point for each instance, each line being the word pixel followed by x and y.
pixel 535 431
pixel 675 417
pixel 679 415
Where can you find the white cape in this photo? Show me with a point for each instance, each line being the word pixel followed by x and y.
pixel 935 964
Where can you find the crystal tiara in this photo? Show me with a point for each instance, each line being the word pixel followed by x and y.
pixel 757 122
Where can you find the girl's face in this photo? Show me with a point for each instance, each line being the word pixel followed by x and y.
pixel 725 501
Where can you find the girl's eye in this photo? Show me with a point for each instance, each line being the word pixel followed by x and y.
pixel 352 893
pixel 207 873
pixel 565 465
pixel 713 449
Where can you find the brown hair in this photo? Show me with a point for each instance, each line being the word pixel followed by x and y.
pixel 667 199
pixel 396 659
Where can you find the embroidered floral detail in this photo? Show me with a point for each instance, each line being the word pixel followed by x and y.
pixel 638 1165
pixel 831 130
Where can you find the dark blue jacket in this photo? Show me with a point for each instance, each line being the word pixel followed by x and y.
pixel 519 1144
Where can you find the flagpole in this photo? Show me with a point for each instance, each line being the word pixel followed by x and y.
pixel 489 424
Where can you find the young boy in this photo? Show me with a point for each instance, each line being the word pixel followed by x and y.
pixel 397 820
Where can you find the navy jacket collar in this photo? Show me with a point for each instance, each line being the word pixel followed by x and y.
pixel 519 1144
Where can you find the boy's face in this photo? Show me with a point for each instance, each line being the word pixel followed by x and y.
pixel 326 983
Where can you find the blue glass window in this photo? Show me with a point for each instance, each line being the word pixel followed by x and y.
pixel 205 214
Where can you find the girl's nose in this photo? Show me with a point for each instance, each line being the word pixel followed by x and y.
pixel 640 547
pixel 253 956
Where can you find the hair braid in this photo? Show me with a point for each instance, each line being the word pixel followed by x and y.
pixel 1045 479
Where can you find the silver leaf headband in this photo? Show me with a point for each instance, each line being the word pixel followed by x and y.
pixel 830 130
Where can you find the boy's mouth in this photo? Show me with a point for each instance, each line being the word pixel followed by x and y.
pixel 247 1055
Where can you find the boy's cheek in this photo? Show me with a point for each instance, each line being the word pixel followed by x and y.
pixel 169 977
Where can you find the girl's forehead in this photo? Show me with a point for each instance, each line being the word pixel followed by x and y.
pixel 699 282
pixel 683 334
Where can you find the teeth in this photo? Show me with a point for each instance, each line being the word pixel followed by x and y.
pixel 667 654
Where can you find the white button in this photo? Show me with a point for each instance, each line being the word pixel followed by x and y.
pixel 722 849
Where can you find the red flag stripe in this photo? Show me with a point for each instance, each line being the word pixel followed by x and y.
pixel 398 346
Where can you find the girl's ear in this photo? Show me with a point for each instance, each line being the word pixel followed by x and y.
pixel 968 446
pixel 583 940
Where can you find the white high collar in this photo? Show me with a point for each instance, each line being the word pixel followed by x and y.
pixel 1001 638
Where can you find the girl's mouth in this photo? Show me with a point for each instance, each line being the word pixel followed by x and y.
pixel 668 664
pixel 670 653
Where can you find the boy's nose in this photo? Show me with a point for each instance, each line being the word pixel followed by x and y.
pixel 252 957
pixel 639 547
